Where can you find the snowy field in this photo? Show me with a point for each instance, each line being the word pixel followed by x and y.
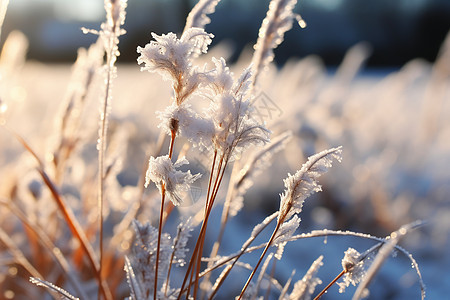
pixel 393 126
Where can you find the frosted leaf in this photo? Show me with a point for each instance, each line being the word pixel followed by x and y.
pixel 198 40
pixel 161 171
pixel 171 57
pixel 142 256
pixel 133 283
pixel 304 288
pixel 234 129
pixel 278 20
pixel 304 182
pixel 198 15
pixel 257 162
pixel 284 233
pixel 180 242
pixel 185 122
pixel 220 79
pixel 263 271
pixel 259 227
pixel 51 287
pixel 242 84
pixel 286 287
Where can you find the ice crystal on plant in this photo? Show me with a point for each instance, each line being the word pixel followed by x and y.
pixel 355 268
pixel 180 241
pixel 172 58
pixel 142 258
pixel 277 22
pixel 198 15
pixel 197 129
pixel 162 170
pixel 51 287
pixel 231 111
pixel 304 182
pixel 221 78
pixel 304 288
pixel 286 231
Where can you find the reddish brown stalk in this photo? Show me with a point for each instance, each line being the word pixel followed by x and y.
pixel 218 181
pixel 260 258
pixel 163 196
pixel 330 284
pixel 197 244
pixel 211 176
pixel 161 217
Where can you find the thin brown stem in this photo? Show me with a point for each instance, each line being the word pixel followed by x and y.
pixel 46 242
pixel 163 196
pixel 220 174
pixel 280 221
pixel 330 284
pixel 211 174
pixel 101 151
pixel 236 258
pixel 197 244
pixel 161 217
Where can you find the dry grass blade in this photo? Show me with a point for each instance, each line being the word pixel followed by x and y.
pixel 45 240
pixel 20 257
pixel 69 217
pixel 51 287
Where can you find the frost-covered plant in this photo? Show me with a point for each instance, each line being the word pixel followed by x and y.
pixel 172 58
pixel 162 171
pixel 225 130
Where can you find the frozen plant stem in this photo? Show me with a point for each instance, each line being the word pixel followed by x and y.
pixel 115 17
pixel 101 168
pixel 330 284
pixel 194 270
pixel 161 216
pixel 279 223
pixel 218 180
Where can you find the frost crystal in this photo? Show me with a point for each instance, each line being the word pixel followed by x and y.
pixel 286 231
pixel 198 15
pixel 161 171
pixel 180 242
pixel 197 129
pixel 278 20
pixel 304 288
pixel 230 110
pixel 140 264
pixel 171 57
pixel 355 267
pixel 304 182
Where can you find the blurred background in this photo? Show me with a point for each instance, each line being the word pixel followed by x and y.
pixel 397 31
